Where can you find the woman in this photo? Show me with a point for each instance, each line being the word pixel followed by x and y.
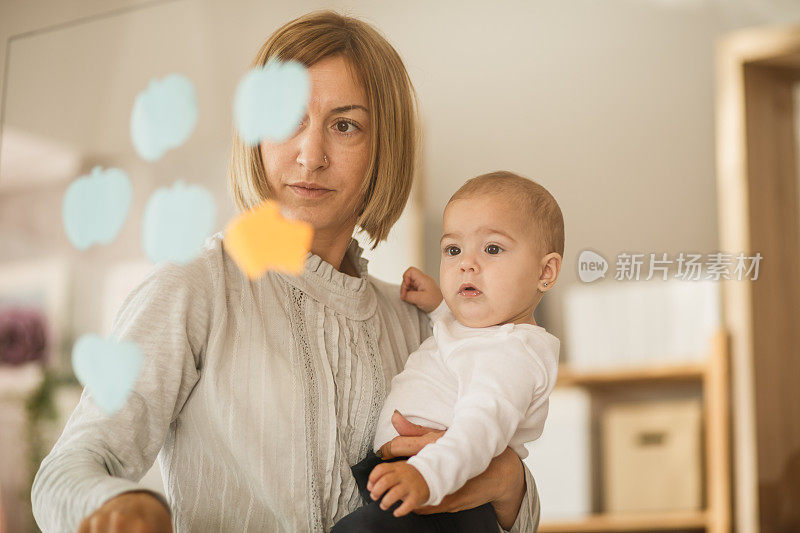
pixel 261 394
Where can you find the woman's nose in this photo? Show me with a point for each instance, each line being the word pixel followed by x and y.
pixel 311 153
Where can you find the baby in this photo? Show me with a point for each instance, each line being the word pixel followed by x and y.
pixel 486 373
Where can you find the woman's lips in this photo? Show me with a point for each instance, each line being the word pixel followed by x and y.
pixel 309 193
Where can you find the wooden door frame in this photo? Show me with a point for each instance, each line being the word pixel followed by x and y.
pixel 757 188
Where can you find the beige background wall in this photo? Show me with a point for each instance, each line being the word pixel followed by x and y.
pixel 608 103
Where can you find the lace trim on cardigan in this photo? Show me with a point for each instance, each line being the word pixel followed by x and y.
pixel 311 396
pixel 379 390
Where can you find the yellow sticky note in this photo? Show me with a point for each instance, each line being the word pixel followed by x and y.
pixel 261 239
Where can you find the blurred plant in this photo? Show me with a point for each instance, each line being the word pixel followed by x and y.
pixel 42 410
pixel 23 336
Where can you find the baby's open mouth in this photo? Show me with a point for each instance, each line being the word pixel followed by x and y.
pixel 468 289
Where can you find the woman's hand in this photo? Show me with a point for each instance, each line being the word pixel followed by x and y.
pixel 131 511
pixel 411 440
pixel 502 483
pixel 420 289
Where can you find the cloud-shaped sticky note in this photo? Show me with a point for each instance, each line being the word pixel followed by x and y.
pixel 163 116
pixel 270 101
pixel 108 369
pixel 177 221
pixel 261 239
pixel 95 207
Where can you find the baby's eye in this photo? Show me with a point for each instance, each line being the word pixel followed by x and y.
pixel 452 250
pixel 493 249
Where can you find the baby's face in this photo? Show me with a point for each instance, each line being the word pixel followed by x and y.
pixel 485 246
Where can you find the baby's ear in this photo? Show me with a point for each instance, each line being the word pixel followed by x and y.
pixel 551 267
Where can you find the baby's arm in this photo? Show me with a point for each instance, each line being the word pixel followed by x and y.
pixel 420 289
pixel 496 388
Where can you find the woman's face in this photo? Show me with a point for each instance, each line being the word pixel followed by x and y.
pixel 315 175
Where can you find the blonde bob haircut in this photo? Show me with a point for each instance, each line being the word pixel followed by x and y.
pixel 392 106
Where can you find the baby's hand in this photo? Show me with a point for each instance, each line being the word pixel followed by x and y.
pixel 403 482
pixel 420 289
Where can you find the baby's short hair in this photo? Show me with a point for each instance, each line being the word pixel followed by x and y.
pixel 532 200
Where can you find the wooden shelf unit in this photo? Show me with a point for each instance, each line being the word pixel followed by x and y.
pixel 616 377
pixel 713 375
pixel 604 522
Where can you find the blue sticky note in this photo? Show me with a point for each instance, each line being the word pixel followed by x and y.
pixel 270 101
pixel 107 369
pixel 164 116
pixel 96 206
pixel 177 221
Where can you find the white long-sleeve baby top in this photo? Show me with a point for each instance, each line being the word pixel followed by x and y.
pixel 488 387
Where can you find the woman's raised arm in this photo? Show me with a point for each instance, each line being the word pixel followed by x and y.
pixel 100 456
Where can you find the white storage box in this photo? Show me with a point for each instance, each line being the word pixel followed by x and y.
pixel 640 323
pixel 560 459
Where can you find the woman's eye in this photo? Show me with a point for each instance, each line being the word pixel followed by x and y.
pixel 344 126
pixel 452 250
pixel 493 249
